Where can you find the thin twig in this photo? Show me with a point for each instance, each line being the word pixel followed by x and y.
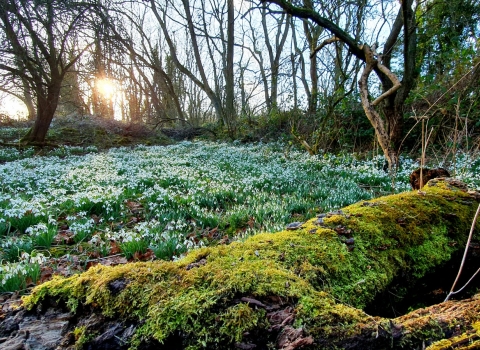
pixel 465 256
pixel 432 105
pixel 466 284
pixel 446 92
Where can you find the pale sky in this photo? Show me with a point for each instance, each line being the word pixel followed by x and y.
pixel 12 106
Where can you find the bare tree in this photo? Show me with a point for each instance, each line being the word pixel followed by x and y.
pixel 203 57
pixel 149 78
pixel 283 26
pixel 269 40
pixel 388 123
pixel 34 36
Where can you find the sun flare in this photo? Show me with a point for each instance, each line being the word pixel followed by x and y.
pixel 106 87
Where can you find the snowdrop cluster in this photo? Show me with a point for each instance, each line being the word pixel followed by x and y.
pixel 192 187
pixel 36 230
pixel 81 225
pixel 13 276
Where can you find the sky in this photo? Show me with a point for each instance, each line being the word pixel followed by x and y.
pixel 15 108
pixel 12 107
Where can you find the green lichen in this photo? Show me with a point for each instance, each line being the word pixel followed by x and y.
pixel 313 269
pixel 465 341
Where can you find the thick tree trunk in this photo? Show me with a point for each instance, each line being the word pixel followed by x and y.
pixel 39 130
pixel 452 320
pixel 46 107
pixel 304 286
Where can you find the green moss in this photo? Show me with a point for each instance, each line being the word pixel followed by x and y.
pixel 238 319
pixel 81 336
pixel 313 268
pixel 466 341
pixel 323 316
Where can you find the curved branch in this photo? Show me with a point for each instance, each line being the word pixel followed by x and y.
pixel 323 44
pixel 370 56
pixel 369 107
pixel 302 12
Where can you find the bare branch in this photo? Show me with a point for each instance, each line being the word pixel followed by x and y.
pixel 323 44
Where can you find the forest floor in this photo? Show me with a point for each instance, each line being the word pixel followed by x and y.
pixel 304 287
pixel 98 194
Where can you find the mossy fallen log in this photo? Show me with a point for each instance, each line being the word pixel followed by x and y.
pixel 303 287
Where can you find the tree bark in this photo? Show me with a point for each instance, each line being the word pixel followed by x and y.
pixel 383 137
pixel 230 114
pixel 47 106
pixel 314 275
pixel 389 131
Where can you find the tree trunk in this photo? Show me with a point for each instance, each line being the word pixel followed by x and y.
pixel 393 106
pixel 47 103
pixel 45 112
pixel 274 55
pixel 304 286
pixel 381 130
pixel 294 80
pixel 312 33
pixel 28 100
pixel 230 114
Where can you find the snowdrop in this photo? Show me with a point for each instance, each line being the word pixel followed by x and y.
pixel 192 186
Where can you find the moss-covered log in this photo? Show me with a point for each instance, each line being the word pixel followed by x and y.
pixel 303 286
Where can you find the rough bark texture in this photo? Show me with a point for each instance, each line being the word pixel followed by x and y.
pixel 47 105
pixel 388 125
pixel 304 287
pixel 420 177
pixel 381 128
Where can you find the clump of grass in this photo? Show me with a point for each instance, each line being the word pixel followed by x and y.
pixel 168 247
pixel 42 234
pixel 12 248
pixel 82 228
pixel 134 246
pixel 4 228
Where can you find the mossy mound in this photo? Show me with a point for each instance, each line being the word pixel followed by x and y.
pixel 301 287
pixel 77 130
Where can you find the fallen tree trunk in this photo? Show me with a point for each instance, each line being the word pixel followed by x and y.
pixel 302 287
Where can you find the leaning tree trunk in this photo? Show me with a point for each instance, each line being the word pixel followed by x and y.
pixel 384 137
pixel 46 107
pixel 305 286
